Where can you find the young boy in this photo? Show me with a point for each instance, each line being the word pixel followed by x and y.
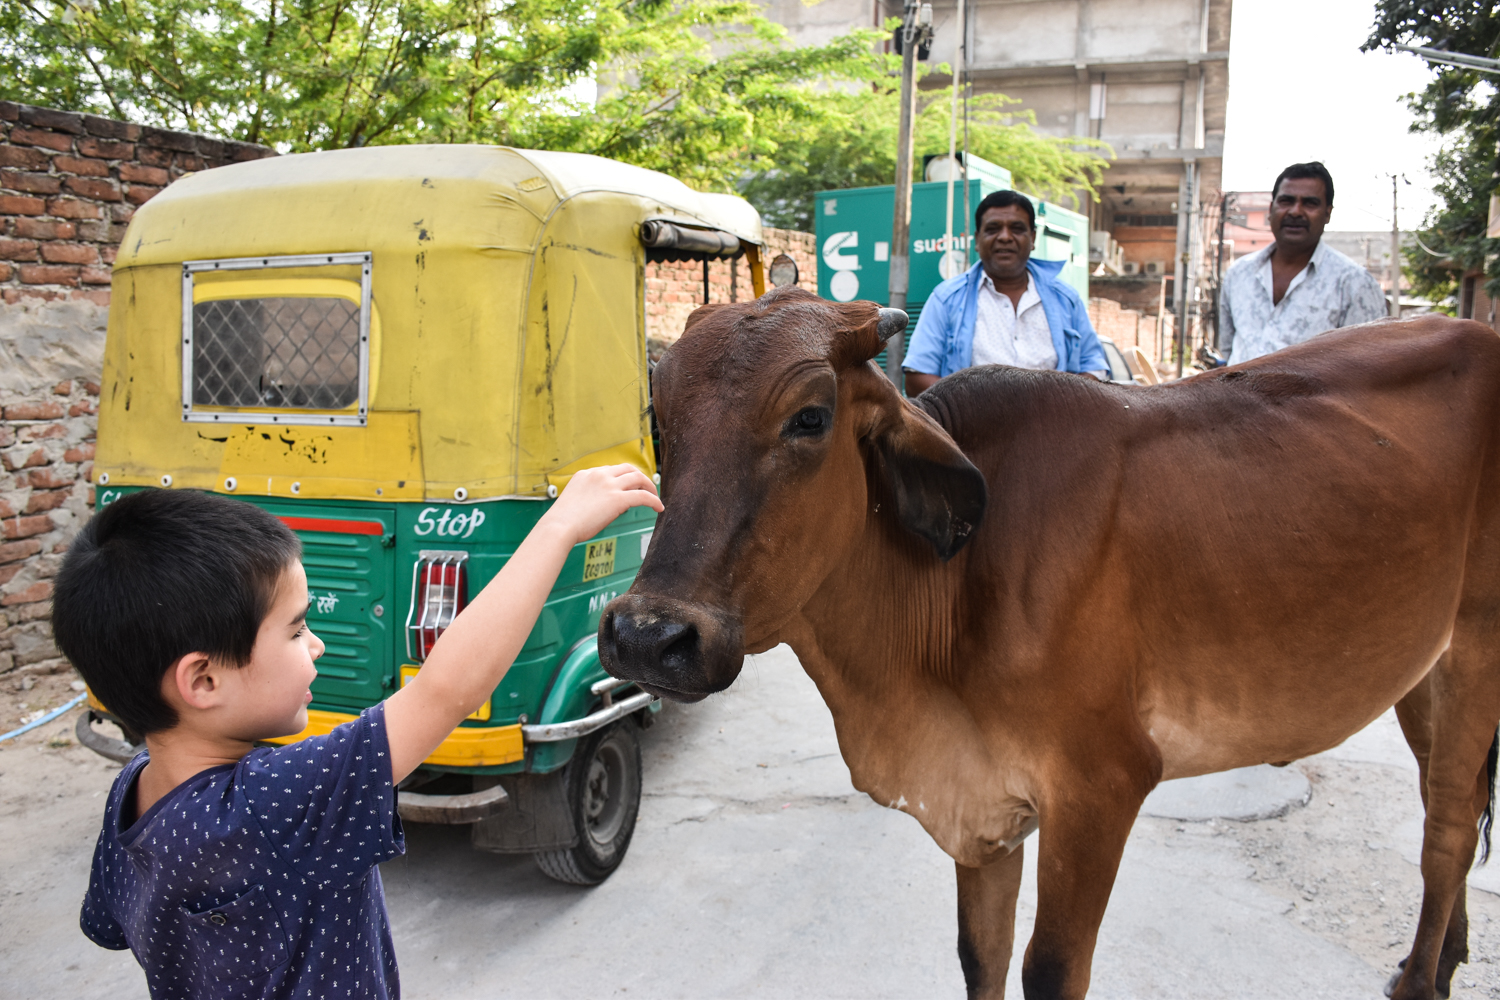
pixel 231 871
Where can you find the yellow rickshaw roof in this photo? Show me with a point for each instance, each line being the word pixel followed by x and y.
pixel 473 174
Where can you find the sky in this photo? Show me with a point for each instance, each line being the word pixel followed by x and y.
pixel 1300 89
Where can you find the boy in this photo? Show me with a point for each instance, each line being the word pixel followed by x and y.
pixel 231 871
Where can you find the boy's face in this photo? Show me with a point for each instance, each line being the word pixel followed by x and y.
pixel 271 692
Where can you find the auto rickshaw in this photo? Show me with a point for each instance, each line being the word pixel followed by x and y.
pixel 404 353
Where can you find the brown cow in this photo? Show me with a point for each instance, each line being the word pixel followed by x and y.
pixel 1244 567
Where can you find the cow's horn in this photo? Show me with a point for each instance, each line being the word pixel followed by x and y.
pixel 892 322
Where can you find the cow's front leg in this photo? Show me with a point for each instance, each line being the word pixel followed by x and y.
pixel 987 923
pixel 1082 835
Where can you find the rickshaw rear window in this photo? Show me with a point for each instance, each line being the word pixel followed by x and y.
pixel 300 353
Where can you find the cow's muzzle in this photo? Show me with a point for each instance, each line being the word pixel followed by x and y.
pixel 675 649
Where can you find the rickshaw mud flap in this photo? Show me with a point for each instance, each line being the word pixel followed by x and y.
pixel 534 817
pixel 105 746
pixel 558 731
pixel 451 810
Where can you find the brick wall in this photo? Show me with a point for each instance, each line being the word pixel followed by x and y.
pixel 69 184
pixel 674 290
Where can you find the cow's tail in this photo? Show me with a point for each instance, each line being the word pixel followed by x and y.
pixel 1487 818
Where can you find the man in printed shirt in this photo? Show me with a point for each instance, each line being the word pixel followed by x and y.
pixel 1005 310
pixel 1296 288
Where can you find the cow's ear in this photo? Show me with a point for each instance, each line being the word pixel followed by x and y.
pixel 939 494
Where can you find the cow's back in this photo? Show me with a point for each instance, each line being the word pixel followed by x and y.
pixel 1247 517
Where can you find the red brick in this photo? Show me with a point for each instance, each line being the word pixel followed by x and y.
pixel 69 253
pixel 15 204
pixel 5 271
pixel 98 296
pixel 19 180
pixel 185 164
pixel 121 212
pixel 71 208
pixel 6 510
pixel 92 388
pixel 95 276
pixel 11 551
pixel 140 195
pixel 34 137
pixel 25 527
pixel 86 473
pixel 63 388
pixel 110 129
pixel 45 500
pixel 97 231
pixel 106 149
pixel 37 432
pixel 182 142
pixel 58 121
pixel 46 479
pixel 108 253
pixel 23 157
pixel 7 438
pixel 86 167
pixel 143 174
pixel 89 187
pixel 8 573
pixel 45 229
pixel 34 411
pixel 49 274
pixel 18 249
pixel 80 409
pixel 80 453
pixel 10 111
pixel 39 591
pixel 153 157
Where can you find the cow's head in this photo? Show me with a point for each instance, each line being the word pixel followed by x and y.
pixel 780 440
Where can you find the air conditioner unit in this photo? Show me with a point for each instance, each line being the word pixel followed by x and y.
pixel 1156 267
pixel 1131 267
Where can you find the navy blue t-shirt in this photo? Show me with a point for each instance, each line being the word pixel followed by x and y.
pixel 257 879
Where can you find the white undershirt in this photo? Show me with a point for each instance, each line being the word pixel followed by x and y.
pixel 1007 335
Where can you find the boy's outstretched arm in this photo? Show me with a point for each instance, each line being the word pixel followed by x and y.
pixel 474 653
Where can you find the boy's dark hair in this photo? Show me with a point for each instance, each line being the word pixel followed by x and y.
pixel 1004 199
pixel 1299 171
pixel 160 574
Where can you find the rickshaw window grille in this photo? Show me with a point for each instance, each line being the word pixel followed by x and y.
pixel 288 353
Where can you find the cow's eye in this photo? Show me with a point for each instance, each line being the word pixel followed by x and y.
pixel 813 420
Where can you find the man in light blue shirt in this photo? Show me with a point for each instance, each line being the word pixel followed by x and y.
pixel 1006 309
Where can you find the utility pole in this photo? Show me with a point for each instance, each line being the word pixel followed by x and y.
pixel 958 62
pixel 916 31
pixel 1395 256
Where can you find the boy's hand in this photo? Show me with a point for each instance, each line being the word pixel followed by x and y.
pixel 474 653
pixel 595 497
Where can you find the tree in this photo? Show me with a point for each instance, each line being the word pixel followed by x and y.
pixel 1463 106
pixel 853 144
pixel 705 90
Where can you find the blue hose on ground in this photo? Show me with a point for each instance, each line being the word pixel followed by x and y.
pixel 44 719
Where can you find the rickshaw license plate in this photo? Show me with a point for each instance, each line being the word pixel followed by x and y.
pixel 599 559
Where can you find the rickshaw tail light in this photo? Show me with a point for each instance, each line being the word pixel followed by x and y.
pixel 439 591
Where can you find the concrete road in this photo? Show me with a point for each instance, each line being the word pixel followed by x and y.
pixel 757 871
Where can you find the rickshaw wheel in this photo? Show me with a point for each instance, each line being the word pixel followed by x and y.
pixel 604 794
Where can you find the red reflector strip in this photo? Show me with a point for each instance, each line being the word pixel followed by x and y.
pixel 336 527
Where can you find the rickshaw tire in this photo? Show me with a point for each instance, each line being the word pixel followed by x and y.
pixel 607 762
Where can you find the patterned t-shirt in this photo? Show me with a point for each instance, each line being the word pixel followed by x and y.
pixel 257 879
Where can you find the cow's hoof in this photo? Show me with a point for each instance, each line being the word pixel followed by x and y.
pixel 1390 984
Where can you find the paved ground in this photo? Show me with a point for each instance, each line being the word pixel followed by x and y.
pixel 758 872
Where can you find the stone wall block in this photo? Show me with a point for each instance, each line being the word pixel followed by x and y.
pixel 31 642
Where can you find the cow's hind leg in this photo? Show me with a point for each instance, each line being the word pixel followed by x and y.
pixel 1449 720
pixel 987 923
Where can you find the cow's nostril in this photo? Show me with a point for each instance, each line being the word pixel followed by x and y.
pixel 682 652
